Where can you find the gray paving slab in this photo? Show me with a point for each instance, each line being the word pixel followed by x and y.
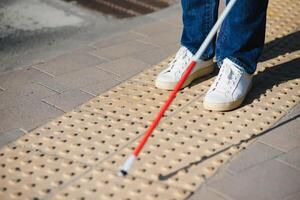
pixel 174 19
pixel 29 91
pixel 10 136
pixel 285 137
pixel 206 194
pixel 27 114
pixel 292 158
pixel 167 13
pixel 19 77
pixel 161 39
pixel 152 56
pixel 154 28
pixel 271 180
pixel 120 38
pixel 124 67
pixel 252 156
pixel 78 79
pixel 294 112
pixel 171 49
pixel 294 196
pixel 52 84
pixel 68 100
pixel 69 62
pixel 99 88
pixel 123 49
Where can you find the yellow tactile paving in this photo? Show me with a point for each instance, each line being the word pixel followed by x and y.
pixel 83 136
pixel 170 155
pixel 135 101
pixel 77 155
pixel 30 174
pixel 105 184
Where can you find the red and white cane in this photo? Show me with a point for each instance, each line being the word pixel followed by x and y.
pixel 130 160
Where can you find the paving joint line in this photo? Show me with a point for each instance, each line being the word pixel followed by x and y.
pixel 52 105
pixel 148 43
pixel 138 33
pixel 92 95
pixel 98 56
pixel 41 84
pixel 288 164
pixel 23 131
pixel 220 193
pixel 42 71
pixel 82 90
pixel 258 163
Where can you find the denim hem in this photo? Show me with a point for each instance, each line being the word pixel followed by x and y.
pixel 194 51
pixel 239 64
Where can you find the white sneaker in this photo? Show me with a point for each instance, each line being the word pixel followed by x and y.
pixel 168 78
pixel 229 88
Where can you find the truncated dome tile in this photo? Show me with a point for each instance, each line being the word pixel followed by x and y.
pixel 83 136
pixel 29 174
pixel 183 166
pixel 271 97
pixel 228 128
pixel 167 151
pixel 136 102
pixel 199 86
pixel 282 21
pixel 105 184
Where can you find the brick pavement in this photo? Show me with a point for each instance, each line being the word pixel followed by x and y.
pixel 62 83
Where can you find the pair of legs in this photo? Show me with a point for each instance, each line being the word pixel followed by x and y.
pixel 237 49
pixel 241 37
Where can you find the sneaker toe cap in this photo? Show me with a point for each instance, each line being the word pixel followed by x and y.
pixel 165 77
pixel 217 98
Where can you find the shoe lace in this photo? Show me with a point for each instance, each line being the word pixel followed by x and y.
pixel 227 79
pixel 179 60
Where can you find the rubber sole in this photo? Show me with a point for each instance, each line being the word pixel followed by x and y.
pixel 225 106
pixel 197 74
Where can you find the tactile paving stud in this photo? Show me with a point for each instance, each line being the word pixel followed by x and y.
pixel 135 101
pixel 281 22
pixel 83 136
pixel 30 174
pixel 239 125
pixel 105 184
pixel 179 161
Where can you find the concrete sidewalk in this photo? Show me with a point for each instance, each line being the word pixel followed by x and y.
pixel 33 95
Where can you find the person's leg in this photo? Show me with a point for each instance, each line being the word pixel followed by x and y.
pixel 241 37
pixel 198 18
pixel 239 45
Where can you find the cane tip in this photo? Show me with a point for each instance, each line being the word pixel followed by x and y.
pixel 122 173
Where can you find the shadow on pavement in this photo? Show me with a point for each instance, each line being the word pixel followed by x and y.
pixel 185 168
pixel 262 81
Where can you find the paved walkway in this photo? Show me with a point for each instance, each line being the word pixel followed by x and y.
pixel 35 94
pixel 32 96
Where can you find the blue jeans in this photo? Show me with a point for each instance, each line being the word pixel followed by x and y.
pixel 242 34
